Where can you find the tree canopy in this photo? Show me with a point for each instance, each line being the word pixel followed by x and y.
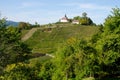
pixel 12 50
pixel 84 20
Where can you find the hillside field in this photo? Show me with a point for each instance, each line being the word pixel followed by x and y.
pixel 47 40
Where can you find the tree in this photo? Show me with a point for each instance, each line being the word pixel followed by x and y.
pixel 84 14
pixel 112 22
pixel 75 60
pixel 12 50
pixel 70 20
pixel 84 20
pixel 36 24
pixel 20 71
pixel 2 21
pixel 24 25
pixel 76 18
pixel 46 71
pixel 107 44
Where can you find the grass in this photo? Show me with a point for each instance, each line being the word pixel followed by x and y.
pixel 45 41
pixel 24 32
pixel 38 60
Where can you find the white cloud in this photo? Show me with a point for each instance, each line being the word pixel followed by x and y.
pixel 31 4
pixel 94 6
pixel 87 6
pixel 68 4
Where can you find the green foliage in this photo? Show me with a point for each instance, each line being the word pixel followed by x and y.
pixel 76 18
pixel 20 72
pixel 90 78
pixel 12 50
pixel 36 25
pixel 2 22
pixel 24 25
pixel 84 14
pixel 86 21
pixel 74 61
pixel 46 71
pixel 113 21
pixel 107 44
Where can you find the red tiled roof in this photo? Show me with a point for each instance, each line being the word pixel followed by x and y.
pixel 64 18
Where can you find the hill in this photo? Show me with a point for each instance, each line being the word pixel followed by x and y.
pixel 47 40
pixel 28 34
pixel 11 23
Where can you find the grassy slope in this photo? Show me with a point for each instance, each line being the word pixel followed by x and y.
pixel 24 32
pixel 48 41
pixel 29 34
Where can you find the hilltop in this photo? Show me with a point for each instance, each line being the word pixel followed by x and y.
pixel 48 39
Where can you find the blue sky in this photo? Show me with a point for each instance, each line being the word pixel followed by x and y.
pixel 49 11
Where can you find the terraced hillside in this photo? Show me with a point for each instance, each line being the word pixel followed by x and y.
pixel 47 40
pixel 29 34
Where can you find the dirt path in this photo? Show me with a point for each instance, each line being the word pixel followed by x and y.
pixel 50 55
pixel 29 34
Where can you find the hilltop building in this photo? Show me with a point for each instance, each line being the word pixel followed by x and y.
pixel 64 19
pixel 75 21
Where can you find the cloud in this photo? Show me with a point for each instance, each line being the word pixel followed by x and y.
pixel 94 6
pixel 86 6
pixel 31 4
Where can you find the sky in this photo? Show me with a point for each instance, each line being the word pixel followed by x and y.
pixel 50 11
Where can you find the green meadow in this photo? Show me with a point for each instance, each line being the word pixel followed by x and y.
pixel 47 41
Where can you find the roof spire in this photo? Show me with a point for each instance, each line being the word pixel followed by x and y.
pixel 65 15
